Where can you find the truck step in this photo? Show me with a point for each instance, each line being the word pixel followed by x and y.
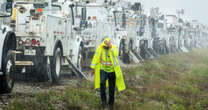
pixel 76 70
pixel 17 52
pixel 24 63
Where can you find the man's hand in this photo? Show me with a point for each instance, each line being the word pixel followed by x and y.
pixel 92 72
pixel 108 43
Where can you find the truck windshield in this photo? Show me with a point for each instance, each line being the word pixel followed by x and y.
pixel 45 7
pixel 3 10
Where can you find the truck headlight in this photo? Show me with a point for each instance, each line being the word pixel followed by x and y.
pixel 20 42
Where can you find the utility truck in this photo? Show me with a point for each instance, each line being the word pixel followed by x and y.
pixel 110 20
pixel 139 30
pixel 104 20
pixel 96 29
pixel 118 19
pixel 159 34
pixel 172 29
pixel 7 46
pixel 48 37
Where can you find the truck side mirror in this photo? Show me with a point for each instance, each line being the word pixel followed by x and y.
pixel 84 13
pixel 124 20
pixel 83 22
pixel 9 6
pixel 72 13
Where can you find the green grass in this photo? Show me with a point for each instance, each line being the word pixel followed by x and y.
pixel 172 82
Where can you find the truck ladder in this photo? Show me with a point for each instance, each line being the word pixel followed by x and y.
pixel 138 58
pixel 148 53
pixel 76 70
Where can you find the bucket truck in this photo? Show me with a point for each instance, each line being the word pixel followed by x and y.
pixel 48 37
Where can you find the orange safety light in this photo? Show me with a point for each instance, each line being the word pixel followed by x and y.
pixel 39 10
pixel 94 17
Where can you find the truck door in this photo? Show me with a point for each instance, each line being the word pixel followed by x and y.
pixel 67 29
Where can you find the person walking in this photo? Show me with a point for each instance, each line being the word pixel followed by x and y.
pixel 107 71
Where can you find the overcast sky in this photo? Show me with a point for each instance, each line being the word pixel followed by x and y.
pixel 194 9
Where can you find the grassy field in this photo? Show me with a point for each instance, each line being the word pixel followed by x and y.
pixel 172 82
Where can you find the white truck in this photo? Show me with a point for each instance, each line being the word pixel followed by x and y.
pixel 7 46
pixel 172 29
pixel 182 35
pixel 159 33
pixel 48 37
pixel 110 20
pixel 96 29
pixel 139 30
pixel 187 37
pixel 103 20
pixel 196 29
pixel 118 19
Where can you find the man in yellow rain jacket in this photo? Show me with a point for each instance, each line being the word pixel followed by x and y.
pixel 105 65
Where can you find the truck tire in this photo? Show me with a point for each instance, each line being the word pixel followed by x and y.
pixel 6 81
pixel 56 61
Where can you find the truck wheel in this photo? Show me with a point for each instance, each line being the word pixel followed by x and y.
pixel 6 81
pixel 56 65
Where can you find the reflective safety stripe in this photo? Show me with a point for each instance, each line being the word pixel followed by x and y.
pixel 105 63
pixel 105 60
pixel 114 60
pixel 92 65
pixel 116 64
pixel 113 49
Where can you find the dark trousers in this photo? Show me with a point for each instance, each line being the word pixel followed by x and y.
pixel 111 81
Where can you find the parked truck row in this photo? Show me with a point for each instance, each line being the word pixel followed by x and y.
pixel 39 37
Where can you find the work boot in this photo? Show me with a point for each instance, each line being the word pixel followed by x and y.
pixel 104 104
pixel 111 106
